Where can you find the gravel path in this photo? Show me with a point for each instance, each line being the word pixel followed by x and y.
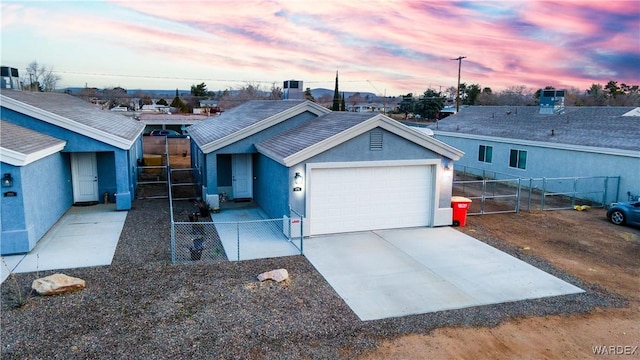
pixel 142 306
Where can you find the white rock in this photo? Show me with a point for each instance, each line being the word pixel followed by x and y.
pixel 57 284
pixel 276 275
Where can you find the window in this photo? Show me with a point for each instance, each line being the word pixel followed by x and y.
pixel 485 153
pixel 518 159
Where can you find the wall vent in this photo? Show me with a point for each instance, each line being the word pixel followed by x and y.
pixel 375 140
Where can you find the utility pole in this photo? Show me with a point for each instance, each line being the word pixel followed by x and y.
pixel 459 59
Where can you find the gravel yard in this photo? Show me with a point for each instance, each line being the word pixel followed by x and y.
pixel 142 306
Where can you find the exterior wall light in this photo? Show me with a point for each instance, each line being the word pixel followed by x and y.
pixel 7 180
pixel 297 180
pixel 446 164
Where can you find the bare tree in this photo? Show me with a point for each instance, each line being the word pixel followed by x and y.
pixel 40 78
pixel 275 92
pixel 516 95
pixel 232 98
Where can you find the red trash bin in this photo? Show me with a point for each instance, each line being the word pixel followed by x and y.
pixel 460 207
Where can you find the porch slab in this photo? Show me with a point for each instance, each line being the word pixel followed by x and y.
pixel 259 236
pixel 84 236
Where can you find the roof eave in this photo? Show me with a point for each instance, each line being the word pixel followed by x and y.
pixel 66 123
pixel 270 154
pixel 16 158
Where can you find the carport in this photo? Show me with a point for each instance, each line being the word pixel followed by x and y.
pixel 392 273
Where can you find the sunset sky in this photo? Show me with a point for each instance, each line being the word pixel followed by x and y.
pixel 381 46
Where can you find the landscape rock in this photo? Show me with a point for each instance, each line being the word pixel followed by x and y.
pixel 57 284
pixel 276 275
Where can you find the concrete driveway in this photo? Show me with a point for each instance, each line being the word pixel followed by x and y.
pixel 391 273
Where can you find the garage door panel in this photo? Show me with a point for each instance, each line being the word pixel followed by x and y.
pixel 367 198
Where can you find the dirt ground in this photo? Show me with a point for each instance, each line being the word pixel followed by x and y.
pixel 582 243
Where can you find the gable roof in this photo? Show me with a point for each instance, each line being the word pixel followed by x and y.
pixel 20 146
pixel 247 119
pixel 599 127
pixel 74 114
pixel 314 137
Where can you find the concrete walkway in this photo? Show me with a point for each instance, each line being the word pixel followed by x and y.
pixel 391 273
pixel 84 236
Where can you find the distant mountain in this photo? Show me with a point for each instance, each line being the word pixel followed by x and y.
pixel 153 92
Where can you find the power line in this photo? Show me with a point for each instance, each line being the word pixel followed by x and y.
pixel 188 78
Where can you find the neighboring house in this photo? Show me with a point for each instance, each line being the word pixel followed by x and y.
pixel 155 108
pixel 60 150
pixel 342 171
pixel 177 122
pixel 548 142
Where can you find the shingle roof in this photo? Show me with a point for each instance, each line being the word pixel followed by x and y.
pixel 237 119
pixel 79 111
pixel 313 137
pixel 24 141
pixel 603 127
pixel 312 132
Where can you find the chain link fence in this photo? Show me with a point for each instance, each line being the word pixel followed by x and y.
pixel 196 241
pixel 493 192
pixel 206 241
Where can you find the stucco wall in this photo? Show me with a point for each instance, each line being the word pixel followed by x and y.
pixel 44 194
pixel 552 162
pixel 270 186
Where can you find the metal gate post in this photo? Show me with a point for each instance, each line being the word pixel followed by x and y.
pixel 301 236
pixel 604 194
pixel 238 238
pixel 518 197
pixel 173 242
pixel 575 190
pixel 544 192
pixel 484 190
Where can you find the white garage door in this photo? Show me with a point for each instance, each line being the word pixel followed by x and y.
pixel 370 198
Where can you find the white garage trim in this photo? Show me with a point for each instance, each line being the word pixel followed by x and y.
pixel 359 196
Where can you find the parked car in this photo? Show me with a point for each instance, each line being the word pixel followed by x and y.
pixel 624 213
pixel 167 133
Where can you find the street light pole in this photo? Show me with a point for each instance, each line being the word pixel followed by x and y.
pixel 459 59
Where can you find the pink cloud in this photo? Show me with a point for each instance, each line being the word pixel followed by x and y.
pixel 401 46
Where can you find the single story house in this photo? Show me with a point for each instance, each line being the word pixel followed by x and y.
pixel 58 150
pixel 341 171
pixel 546 142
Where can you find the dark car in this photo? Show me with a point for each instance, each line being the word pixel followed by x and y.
pixel 625 213
pixel 167 133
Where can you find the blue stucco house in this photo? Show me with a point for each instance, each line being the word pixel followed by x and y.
pixel 596 144
pixel 58 151
pixel 341 171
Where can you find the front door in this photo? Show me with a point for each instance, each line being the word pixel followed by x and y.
pixel 242 176
pixel 84 174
